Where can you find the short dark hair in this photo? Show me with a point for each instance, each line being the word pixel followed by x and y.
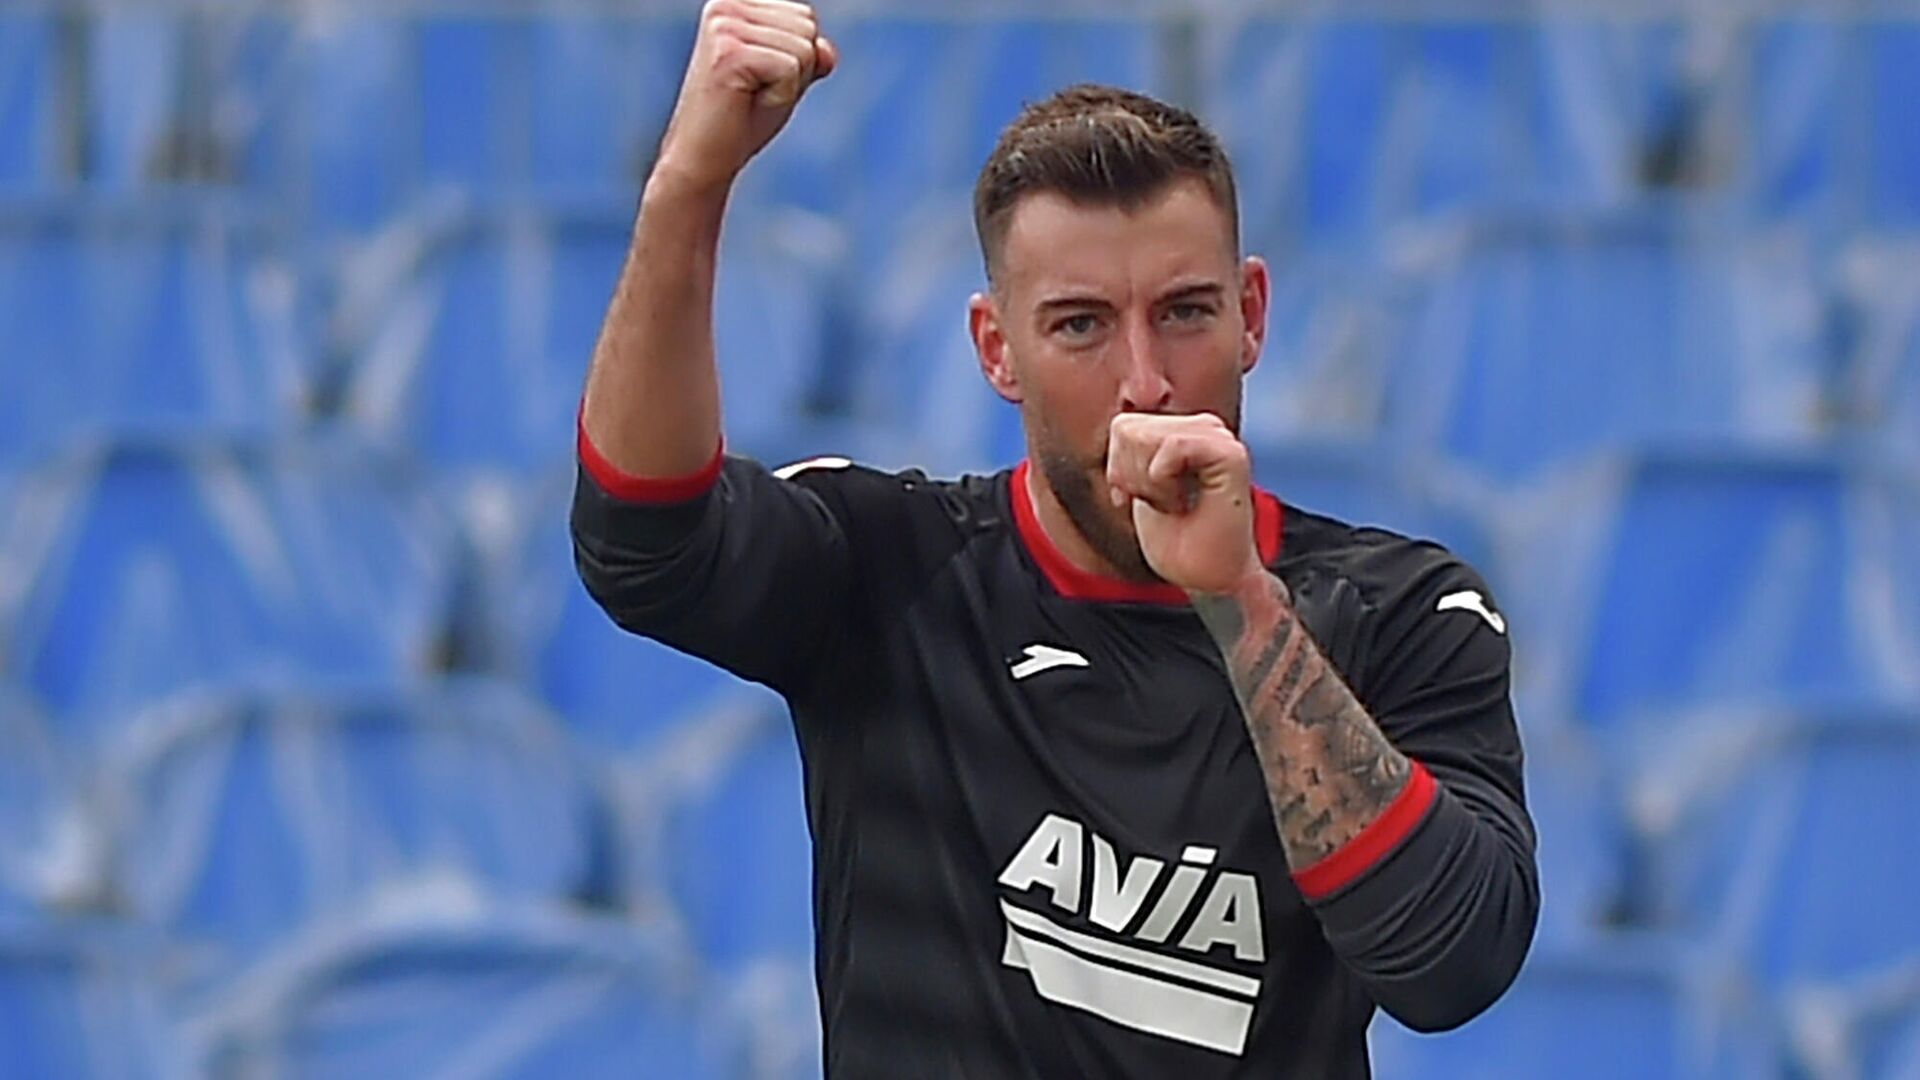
pixel 1099 145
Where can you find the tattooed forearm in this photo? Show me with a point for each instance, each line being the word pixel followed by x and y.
pixel 1329 770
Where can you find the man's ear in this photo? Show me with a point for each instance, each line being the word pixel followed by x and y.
pixel 990 345
pixel 1256 293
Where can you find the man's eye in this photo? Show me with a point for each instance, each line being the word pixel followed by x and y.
pixel 1188 312
pixel 1078 325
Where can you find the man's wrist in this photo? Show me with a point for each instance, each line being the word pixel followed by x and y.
pixel 676 185
pixel 1253 582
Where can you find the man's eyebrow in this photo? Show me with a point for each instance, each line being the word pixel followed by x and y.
pixel 1211 290
pixel 1070 300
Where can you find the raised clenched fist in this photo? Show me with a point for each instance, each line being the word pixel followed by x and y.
pixel 752 61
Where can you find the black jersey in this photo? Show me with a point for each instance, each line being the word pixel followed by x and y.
pixel 1042 843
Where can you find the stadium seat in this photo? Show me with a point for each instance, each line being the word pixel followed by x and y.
pixel 29 114
pixel 1723 578
pixel 1893 170
pixel 1793 166
pixel 176 314
pixel 615 691
pixel 1367 483
pixel 1797 163
pixel 1341 128
pixel 929 96
pixel 1539 341
pixel 736 856
pixel 1866 1027
pixel 348 167
pixel 603 88
pixel 1583 841
pixel 1764 838
pixel 1626 1007
pixel 721 809
pixel 80 1002
pixel 240 819
pixel 477 364
pixel 1898 1055
pixel 471 75
pixel 1321 370
pixel 178 563
pixel 490 993
pixel 1878 392
pixel 45 857
pixel 138 79
pixel 919 378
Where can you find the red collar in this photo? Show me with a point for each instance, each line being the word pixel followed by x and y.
pixel 1076 584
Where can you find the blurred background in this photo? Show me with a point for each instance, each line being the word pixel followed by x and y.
pixel 316 761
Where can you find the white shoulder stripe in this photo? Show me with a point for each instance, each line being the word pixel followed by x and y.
pixel 788 472
pixel 1471 600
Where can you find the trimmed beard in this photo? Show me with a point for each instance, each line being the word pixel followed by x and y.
pixel 1092 514
pixel 1090 511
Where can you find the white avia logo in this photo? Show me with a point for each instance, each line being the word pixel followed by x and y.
pixel 1116 977
pixel 1469 600
pixel 1041 658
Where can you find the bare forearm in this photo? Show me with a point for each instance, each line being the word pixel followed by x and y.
pixel 652 405
pixel 1329 771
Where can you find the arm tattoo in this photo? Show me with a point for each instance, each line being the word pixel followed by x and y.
pixel 1329 770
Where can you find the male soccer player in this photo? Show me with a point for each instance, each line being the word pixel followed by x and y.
pixel 1115 765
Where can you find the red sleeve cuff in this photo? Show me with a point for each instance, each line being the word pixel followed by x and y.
pixel 645 489
pixel 1374 843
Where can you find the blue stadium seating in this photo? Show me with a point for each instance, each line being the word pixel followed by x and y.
pixel 1825 122
pixel 1465 157
pixel 138 75
pixel 180 563
pixel 335 148
pixel 1893 166
pixel 1321 369
pixel 1726 577
pixel 498 993
pixel 735 857
pixel 1546 340
pixel 614 690
pixel 1793 160
pixel 1868 1028
pixel 1621 1007
pixel 1494 324
pixel 79 1002
pixel 240 819
pixel 29 114
pixel 42 850
pixel 927 98
pixel 1367 483
pixel 1341 128
pixel 479 361
pixel 1583 846
pixel 477 365
pixel 1878 383
pixel 1898 1055
pixel 603 88
pixel 920 378
pixel 1767 840
pixel 471 77
pixel 144 314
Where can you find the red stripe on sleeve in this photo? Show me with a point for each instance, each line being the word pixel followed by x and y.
pixel 644 489
pixel 1374 843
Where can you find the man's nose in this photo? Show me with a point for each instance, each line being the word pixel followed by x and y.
pixel 1144 386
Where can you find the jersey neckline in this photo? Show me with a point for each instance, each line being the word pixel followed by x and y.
pixel 1072 582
